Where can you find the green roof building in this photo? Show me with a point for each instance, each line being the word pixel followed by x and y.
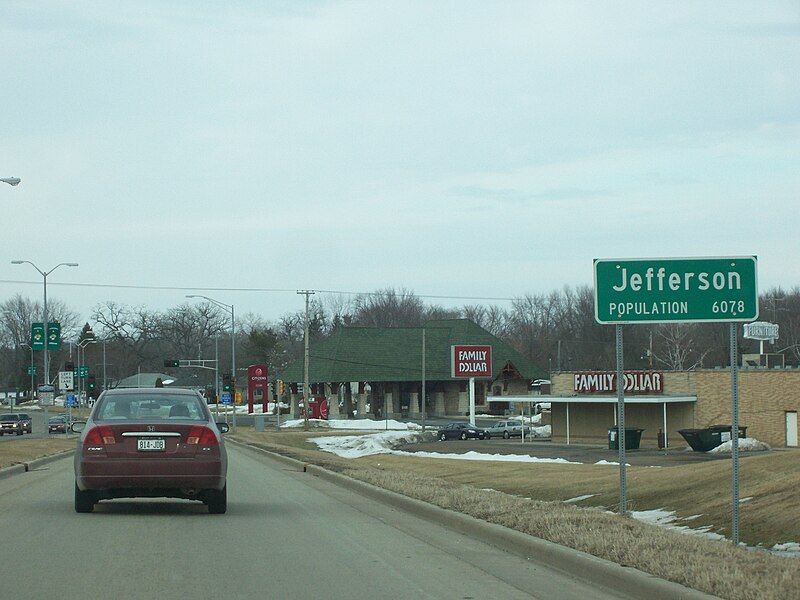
pixel 382 367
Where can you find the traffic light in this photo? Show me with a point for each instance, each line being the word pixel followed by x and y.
pixel 281 387
pixel 227 382
pixel 68 366
pixel 172 363
pixel 91 387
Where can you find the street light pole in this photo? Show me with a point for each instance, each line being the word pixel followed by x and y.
pixel 230 308
pixel 44 274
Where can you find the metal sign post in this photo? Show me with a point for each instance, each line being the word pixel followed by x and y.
pixel 472 401
pixel 678 290
pixel 623 477
pixel 735 434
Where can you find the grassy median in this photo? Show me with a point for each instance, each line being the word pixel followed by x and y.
pixel 717 568
pixel 24 450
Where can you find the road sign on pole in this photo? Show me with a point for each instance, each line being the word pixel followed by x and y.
pixel 225 398
pixel 32 370
pixel 676 290
pixel 37 336
pixel 71 401
pixel 66 381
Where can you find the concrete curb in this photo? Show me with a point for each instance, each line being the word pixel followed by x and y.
pixel 33 464
pixel 40 462
pixel 12 470
pixel 608 574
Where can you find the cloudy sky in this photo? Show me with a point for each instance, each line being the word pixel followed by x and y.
pixel 453 148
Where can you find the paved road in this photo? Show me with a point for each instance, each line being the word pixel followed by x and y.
pixel 287 534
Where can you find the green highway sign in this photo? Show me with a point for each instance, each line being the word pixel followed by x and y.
pixel 82 371
pixel 53 335
pixel 37 336
pixel 31 370
pixel 675 290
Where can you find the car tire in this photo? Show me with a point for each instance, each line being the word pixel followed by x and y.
pixel 442 437
pixel 217 501
pixel 506 435
pixel 487 436
pixel 19 432
pixel 84 501
pixel 463 436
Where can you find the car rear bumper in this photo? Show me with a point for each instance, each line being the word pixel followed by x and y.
pixel 100 473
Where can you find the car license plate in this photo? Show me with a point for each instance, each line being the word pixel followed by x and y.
pixel 150 445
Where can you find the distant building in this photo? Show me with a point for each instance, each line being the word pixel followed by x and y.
pixel 381 368
pixel 583 404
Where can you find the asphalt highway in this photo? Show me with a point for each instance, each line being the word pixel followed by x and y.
pixel 287 534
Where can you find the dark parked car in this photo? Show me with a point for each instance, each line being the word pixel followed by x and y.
pixel 462 431
pixel 158 443
pixel 14 423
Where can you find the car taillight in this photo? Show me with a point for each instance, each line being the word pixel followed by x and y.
pixel 202 436
pixel 99 435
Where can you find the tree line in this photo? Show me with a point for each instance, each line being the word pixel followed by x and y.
pixel 556 331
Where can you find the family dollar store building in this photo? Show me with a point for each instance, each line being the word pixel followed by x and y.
pixel 377 371
pixel 583 404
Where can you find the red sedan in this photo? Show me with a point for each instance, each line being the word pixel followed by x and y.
pixel 150 443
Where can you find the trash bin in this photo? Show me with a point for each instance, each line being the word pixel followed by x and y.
pixel 703 440
pixel 633 437
pixel 259 421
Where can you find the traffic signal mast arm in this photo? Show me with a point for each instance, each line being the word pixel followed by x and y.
pixel 193 363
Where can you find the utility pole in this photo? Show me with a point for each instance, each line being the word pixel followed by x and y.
pixel 306 403
pixel 423 378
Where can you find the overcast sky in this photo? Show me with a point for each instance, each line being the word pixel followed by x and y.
pixel 447 147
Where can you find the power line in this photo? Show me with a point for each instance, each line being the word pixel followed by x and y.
pixel 170 288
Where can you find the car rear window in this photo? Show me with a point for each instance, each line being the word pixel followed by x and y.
pixel 150 407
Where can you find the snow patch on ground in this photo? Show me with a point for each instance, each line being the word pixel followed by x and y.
pixel 579 498
pixel 608 462
pixel 790 549
pixel 668 519
pixel 355 424
pixel 356 446
pixel 745 445
pixel 472 455
pixel 540 432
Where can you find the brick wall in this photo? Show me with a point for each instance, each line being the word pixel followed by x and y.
pixel 764 398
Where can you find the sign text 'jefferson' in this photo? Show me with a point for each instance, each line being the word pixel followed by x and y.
pixel 662 290
pixel 471 361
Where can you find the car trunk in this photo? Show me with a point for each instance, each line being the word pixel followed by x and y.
pixel 143 440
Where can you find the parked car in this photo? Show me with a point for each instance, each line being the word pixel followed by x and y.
pixel 150 442
pixel 508 429
pixel 12 423
pixel 462 431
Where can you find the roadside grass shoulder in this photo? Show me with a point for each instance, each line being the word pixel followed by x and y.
pixel 25 450
pixel 713 567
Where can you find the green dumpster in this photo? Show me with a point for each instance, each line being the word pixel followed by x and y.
pixel 703 440
pixel 633 437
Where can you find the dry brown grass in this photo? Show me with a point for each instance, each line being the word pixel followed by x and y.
pixel 717 568
pixel 24 450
